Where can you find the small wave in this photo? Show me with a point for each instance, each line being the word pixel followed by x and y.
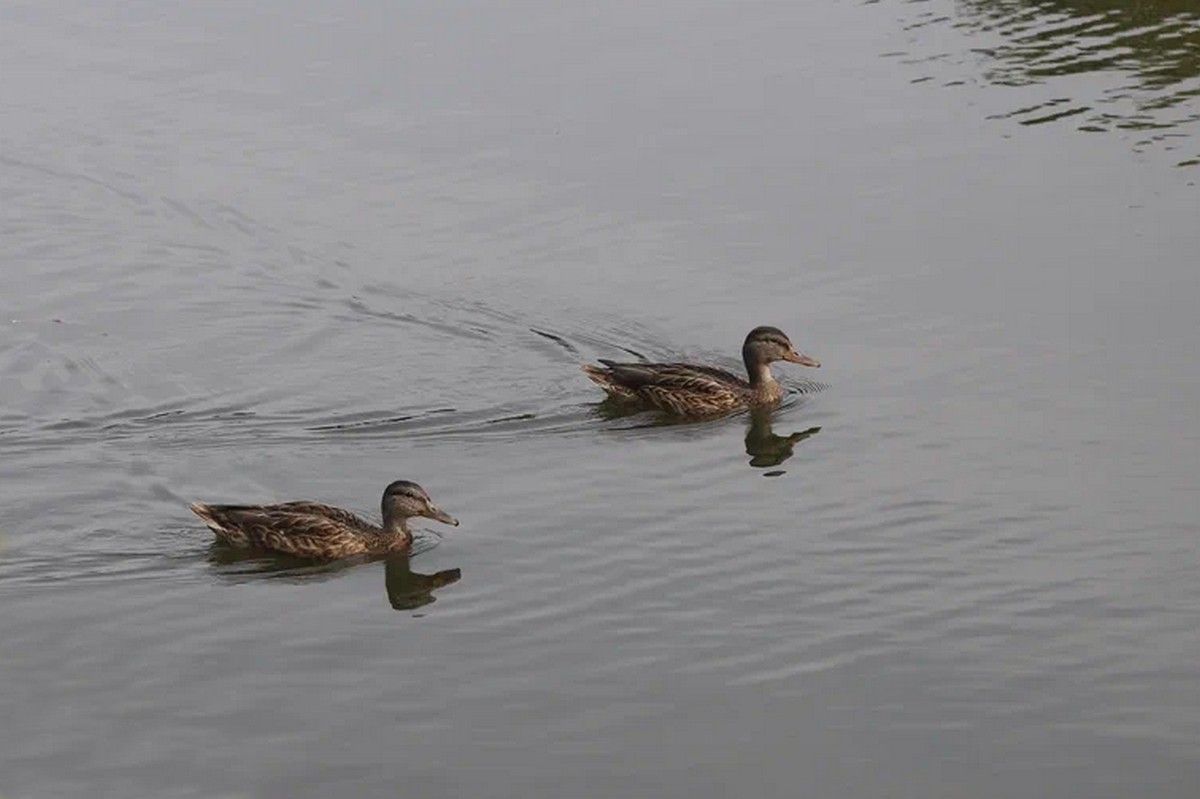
pixel 104 566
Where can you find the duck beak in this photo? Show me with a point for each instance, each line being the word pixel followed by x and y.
pixel 437 514
pixel 803 360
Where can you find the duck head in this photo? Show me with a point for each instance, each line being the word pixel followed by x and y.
pixel 765 345
pixel 404 499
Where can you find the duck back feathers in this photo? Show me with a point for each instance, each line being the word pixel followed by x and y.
pixel 304 529
pixel 678 388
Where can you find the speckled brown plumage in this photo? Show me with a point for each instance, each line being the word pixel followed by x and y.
pixel 677 388
pixel 314 530
pixel 683 389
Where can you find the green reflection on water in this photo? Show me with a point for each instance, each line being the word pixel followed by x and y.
pixel 1145 53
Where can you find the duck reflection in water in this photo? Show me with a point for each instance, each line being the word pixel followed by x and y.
pixel 765 448
pixel 406 589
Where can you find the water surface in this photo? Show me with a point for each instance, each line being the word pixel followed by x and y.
pixel 302 250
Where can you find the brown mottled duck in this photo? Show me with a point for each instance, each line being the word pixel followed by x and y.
pixel 313 530
pixel 684 389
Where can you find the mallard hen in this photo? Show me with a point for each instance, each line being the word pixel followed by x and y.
pixel 313 530
pixel 685 389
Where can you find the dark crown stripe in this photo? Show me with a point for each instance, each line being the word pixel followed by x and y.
pixel 770 335
pixel 405 487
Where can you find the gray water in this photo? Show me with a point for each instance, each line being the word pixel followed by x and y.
pixel 288 251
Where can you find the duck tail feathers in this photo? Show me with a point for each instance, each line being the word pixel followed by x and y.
pixel 206 514
pixel 607 379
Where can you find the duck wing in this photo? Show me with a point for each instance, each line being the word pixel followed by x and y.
pixel 678 376
pixel 328 512
pixel 682 389
pixel 301 528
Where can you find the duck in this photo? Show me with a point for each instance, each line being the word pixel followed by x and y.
pixel 684 389
pixel 322 532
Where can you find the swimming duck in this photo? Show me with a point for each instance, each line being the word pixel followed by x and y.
pixel 684 389
pixel 313 530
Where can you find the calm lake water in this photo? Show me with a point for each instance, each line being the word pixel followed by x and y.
pixel 301 250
